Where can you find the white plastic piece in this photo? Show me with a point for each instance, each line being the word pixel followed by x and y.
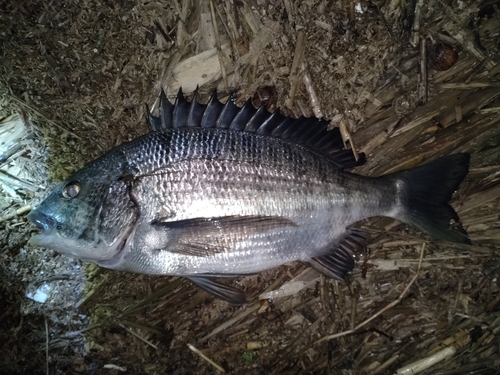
pixel 41 295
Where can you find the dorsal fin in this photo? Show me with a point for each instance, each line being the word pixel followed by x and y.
pixel 309 132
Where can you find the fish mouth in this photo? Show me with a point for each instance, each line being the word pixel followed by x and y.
pixel 106 255
pixel 50 238
pixel 43 222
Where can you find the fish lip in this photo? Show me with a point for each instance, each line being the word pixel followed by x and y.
pixel 42 221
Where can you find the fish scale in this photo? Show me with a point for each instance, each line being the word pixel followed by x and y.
pixel 214 190
pixel 211 175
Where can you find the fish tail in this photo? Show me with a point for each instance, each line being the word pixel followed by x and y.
pixel 424 195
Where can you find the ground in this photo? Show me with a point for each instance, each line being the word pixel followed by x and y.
pixel 407 82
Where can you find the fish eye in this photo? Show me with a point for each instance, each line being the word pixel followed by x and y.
pixel 71 190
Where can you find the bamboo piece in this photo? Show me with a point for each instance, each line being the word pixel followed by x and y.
pixel 220 53
pixel 425 363
pixel 313 97
pixel 298 59
pixel 424 89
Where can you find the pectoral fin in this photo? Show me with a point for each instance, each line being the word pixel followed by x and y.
pixel 254 223
pixel 204 237
pixel 341 259
pixel 224 292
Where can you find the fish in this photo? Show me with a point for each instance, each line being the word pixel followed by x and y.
pixel 216 190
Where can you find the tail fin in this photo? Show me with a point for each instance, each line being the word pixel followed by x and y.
pixel 428 189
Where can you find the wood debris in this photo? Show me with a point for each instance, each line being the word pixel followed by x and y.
pixel 78 78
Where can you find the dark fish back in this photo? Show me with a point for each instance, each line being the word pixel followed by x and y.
pixel 153 152
pixel 311 133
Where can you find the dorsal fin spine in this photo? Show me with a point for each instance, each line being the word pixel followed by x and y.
pixel 243 116
pixel 154 122
pixel 196 111
pixel 166 111
pixel 278 130
pixel 271 123
pixel 212 112
pixel 192 109
pixel 181 111
pixel 228 113
pixel 258 120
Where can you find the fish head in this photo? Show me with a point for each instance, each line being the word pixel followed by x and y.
pixel 89 216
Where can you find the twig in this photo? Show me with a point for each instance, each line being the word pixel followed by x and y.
pixel 347 137
pixel 414 123
pixel 389 306
pixel 423 71
pixel 230 32
pixel 249 310
pixel 46 343
pixel 384 365
pixel 313 97
pixel 489 110
pixel 324 292
pixel 218 43
pixel 143 327
pixel 416 24
pixel 138 336
pixel 193 349
pixel 455 303
pixel 30 108
pixel 182 11
pixel 232 321
pixel 284 353
pixel 162 32
pixel 458 113
pixel 11 151
pixel 354 305
pixel 152 297
pixel 468 86
pixel 289 11
pixel 478 199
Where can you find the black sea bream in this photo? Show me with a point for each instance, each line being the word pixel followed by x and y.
pixel 216 190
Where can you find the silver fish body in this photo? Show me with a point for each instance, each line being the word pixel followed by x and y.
pixel 201 201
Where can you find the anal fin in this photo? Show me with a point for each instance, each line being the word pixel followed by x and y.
pixel 224 292
pixel 341 259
